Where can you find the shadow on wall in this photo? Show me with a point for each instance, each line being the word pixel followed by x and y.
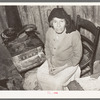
pixel 4 52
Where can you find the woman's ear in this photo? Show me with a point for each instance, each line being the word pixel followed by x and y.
pixel 51 23
pixel 67 22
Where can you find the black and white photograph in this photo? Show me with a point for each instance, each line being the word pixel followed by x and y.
pixel 50 47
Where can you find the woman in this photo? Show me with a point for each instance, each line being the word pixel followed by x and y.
pixel 63 50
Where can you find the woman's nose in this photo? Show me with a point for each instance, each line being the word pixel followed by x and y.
pixel 58 24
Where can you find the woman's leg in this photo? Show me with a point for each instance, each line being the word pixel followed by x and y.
pixel 74 76
pixel 66 76
pixel 43 76
pixel 54 82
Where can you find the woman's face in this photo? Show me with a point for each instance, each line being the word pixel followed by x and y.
pixel 59 25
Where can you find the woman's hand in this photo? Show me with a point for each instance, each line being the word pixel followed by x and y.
pixel 52 70
pixel 56 70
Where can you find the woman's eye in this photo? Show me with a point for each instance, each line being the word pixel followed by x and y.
pixel 62 21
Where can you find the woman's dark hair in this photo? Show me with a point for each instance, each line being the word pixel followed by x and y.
pixel 61 13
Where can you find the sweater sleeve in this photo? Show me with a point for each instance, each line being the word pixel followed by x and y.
pixel 77 48
pixel 47 49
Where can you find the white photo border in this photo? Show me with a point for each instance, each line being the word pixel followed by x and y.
pixel 49 94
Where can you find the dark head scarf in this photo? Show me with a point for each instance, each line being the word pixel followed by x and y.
pixel 61 13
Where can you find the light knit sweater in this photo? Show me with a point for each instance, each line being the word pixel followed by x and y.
pixel 63 48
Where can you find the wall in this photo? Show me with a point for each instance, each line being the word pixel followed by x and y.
pixel 38 15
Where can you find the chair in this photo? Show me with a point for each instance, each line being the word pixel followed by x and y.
pixel 89 45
